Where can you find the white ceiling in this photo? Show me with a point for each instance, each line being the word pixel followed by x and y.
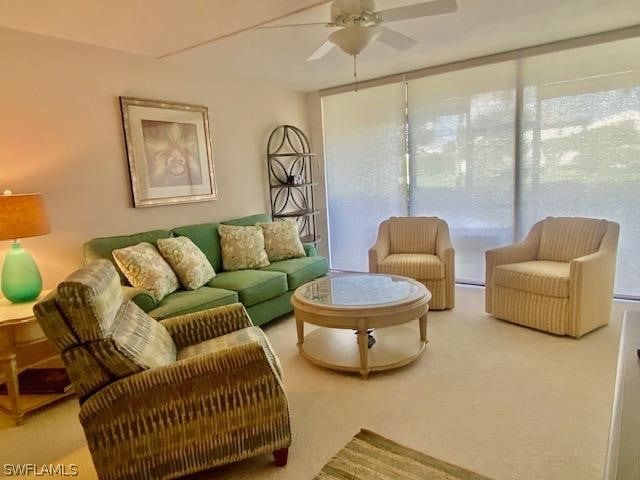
pixel 155 28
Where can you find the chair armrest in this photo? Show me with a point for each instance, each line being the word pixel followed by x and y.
pixel 143 416
pixel 140 297
pixel 446 253
pixel 197 327
pixel 380 249
pixel 591 290
pixel 519 252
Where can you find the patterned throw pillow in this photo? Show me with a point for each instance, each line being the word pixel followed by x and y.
pixel 281 240
pixel 145 268
pixel 242 247
pixel 187 261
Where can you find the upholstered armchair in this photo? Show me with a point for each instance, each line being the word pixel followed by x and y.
pixel 165 399
pixel 418 248
pixel 559 279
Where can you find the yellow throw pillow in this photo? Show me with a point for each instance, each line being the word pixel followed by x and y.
pixel 282 240
pixel 242 247
pixel 145 268
pixel 187 261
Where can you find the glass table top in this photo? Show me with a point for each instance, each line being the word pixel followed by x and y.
pixel 357 290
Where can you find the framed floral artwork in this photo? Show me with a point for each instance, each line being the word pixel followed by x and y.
pixel 169 151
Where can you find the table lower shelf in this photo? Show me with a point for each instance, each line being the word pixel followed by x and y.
pixel 337 349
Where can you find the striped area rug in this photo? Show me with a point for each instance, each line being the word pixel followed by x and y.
pixel 370 456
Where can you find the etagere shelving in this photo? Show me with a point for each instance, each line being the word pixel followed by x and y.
pixel 291 182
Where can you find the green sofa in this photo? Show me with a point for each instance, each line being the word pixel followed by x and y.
pixel 265 293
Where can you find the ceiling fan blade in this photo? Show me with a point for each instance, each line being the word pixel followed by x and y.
pixel 295 25
pixel 426 9
pixel 322 51
pixel 395 39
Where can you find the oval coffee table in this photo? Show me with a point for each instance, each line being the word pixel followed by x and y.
pixel 359 302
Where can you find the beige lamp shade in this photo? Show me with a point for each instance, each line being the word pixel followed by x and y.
pixel 22 215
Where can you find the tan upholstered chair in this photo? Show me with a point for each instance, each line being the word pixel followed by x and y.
pixel 559 279
pixel 165 399
pixel 418 248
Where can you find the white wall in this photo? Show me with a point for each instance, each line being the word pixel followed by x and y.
pixel 61 135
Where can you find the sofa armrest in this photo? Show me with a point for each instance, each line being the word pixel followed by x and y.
pixel 140 297
pixel 222 393
pixel 591 291
pixel 519 252
pixel 380 250
pixel 197 327
pixel 310 249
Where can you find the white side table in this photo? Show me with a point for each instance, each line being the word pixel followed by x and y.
pixel 19 328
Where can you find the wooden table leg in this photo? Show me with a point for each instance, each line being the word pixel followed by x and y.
pixel 10 371
pixel 300 329
pixel 363 346
pixel 423 328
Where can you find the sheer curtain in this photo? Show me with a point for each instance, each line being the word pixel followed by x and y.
pixel 445 145
pixel 365 157
pixel 581 143
pixel 461 137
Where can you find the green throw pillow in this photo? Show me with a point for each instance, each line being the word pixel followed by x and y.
pixel 282 240
pixel 145 268
pixel 242 247
pixel 187 261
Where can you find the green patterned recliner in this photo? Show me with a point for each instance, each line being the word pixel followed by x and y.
pixel 165 399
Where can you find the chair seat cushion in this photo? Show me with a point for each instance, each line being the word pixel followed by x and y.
pixel 421 266
pixel 300 270
pixel 230 340
pixel 188 301
pixel 252 286
pixel 540 276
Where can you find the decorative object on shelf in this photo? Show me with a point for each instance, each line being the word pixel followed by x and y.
pixel 169 151
pixel 21 216
pixel 291 179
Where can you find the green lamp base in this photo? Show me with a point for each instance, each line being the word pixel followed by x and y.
pixel 21 280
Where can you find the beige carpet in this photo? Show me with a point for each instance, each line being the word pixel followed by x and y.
pixel 504 401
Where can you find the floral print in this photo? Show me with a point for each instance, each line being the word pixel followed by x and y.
pixel 145 268
pixel 187 261
pixel 242 247
pixel 281 240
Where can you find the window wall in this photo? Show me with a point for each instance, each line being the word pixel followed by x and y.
pixel 492 150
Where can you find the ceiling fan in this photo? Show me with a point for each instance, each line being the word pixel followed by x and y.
pixel 360 24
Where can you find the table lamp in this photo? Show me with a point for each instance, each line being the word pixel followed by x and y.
pixel 21 216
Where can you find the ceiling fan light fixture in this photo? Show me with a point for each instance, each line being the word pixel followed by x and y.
pixel 353 40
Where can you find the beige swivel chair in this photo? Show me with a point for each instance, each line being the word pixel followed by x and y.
pixel 418 248
pixel 559 279
pixel 161 400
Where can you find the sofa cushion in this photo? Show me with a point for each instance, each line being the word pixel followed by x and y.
pixel 102 247
pixel 206 238
pixel 300 270
pixel 145 268
pixel 421 266
pixel 413 234
pixel 242 247
pixel 137 342
pixel 188 301
pixel 282 240
pixel 230 340
pixel 188 262
pixel 538 276
pixel 253 286
pixel 564 239
pixel 248 220
pixel 89 298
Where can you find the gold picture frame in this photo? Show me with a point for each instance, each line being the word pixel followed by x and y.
pixel 169 151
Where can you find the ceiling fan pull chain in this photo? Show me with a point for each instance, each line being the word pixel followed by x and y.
pixel 355 73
